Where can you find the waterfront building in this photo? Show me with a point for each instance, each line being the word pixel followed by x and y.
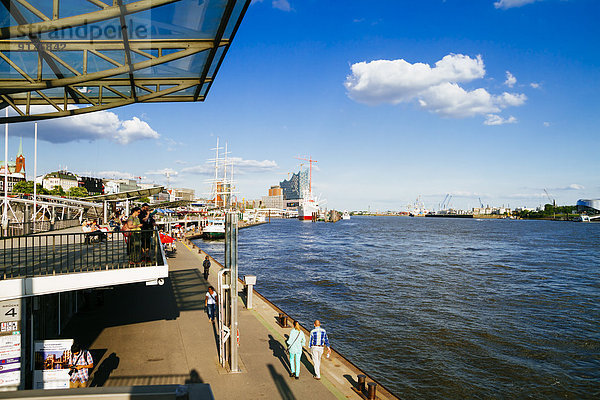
pixel 588 206
pixel 294 187
pixel 94 186
pixel 13 178
pixel 274 199
pixel 120 185
pixel 184 194
pixel 64 179
pixel 17 166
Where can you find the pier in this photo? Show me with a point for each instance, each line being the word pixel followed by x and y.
pixel 158 335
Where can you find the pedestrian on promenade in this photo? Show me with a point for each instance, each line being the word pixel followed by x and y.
pixel 206 265
pixel 147 220
pixel 295 342
pixel 80 361
pixel 318 340
pixel 131 232
pixel 210 302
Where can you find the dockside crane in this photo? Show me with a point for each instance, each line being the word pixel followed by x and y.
pixel 553 202
pixel 480 203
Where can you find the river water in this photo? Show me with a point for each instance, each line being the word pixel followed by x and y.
pixel 442 308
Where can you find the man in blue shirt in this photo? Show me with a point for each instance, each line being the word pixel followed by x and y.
pixel 318 341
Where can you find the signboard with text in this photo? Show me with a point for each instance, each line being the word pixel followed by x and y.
pixel 10 343
pixel 51 369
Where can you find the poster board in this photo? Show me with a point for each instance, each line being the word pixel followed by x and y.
pixel 51 358
pixel 10 344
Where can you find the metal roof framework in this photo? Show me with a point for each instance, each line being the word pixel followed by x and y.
pixel 68 57
pixel 127 195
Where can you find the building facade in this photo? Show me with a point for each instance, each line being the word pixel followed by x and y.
pixel 296 186
pixel 64 179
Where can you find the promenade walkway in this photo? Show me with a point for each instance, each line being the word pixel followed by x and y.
pixel 150 335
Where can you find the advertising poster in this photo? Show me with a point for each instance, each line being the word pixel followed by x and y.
pixel 51 369
pixel 10 343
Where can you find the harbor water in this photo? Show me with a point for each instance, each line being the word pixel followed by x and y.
pixel 442 308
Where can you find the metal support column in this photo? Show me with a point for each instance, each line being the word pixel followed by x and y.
pixel 231 261
pixel 105 213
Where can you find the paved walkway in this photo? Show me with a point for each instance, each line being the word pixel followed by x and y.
pixel 149 335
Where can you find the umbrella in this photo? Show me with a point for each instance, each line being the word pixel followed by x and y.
pixel 166 238
pixel 177 226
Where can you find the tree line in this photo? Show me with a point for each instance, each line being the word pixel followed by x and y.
pixel 26 187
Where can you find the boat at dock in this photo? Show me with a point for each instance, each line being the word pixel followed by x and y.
pixel 346 215
pixel 215 229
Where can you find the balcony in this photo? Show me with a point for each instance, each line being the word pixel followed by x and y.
pixel 59 262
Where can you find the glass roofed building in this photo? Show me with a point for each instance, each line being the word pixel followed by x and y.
pixel 67 57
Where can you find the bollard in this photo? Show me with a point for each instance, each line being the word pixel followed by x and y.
pixel 372 393
pixel 250 281
pixel 283 320
pixel 199 251
pixel 361 382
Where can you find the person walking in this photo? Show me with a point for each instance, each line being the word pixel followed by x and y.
pixel 318 340
pixel 206 265
pixel 295 342
pixel 210 302
pixel 80 361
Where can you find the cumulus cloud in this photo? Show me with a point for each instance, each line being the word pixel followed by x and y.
pixel 436 89
pixel 283 5
pixel 506 4
pixel 163 172
pixel 572 186
pixel 493 119
pixel 240 165
pixel 93 126
pixel 510 79
pixel 116 175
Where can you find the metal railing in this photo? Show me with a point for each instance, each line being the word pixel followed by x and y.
pixel 56 253
pixel 28 228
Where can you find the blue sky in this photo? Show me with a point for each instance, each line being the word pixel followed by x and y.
pixel 395 99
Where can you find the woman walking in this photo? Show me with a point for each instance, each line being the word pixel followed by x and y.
pixel 295 343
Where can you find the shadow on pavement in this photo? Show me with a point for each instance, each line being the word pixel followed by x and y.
pixel 103 372
pixel 194 377
pixel 281 384
pixel 279 352
pixel 135 303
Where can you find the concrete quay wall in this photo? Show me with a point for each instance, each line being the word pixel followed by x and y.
pixel 339 374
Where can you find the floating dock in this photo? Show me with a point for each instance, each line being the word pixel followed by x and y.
pixel 160 335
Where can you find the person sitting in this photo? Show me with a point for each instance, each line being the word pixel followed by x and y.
pixel 87 230
pixel 96 231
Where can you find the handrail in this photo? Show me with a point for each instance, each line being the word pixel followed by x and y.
pixel 64 253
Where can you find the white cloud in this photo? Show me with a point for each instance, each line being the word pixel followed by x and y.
pixel 283 5
pixel 493 119
pixel 436 89
pixel 396 81
pixel 199 170
pixel 572 186
pixel 92 126
pixel 506 4
pixel 510 79
pixel 535 85
pixel 240 166
pixel 116 175
pixel 546 124
pixel 163 172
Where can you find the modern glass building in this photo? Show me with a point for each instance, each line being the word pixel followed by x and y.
pixel 588 206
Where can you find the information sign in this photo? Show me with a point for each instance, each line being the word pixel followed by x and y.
pixel 51 369
pixel 10 343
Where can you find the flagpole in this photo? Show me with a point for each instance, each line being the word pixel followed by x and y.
pixel 5 211
pixel 34 177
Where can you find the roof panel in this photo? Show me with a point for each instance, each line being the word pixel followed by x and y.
pixel 80 47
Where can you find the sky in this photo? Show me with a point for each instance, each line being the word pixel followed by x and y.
pixel 490 99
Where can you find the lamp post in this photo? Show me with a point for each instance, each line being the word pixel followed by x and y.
pixel 34 176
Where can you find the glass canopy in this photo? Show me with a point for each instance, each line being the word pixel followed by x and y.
pixel 68 57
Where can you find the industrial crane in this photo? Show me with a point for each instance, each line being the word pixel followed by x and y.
pixel 553 202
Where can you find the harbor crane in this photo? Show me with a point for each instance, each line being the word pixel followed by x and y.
pixel 553 202
pixel 480 203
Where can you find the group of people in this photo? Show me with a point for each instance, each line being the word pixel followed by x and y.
pixel 316 345
pixel 138 231
pixel 93 232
